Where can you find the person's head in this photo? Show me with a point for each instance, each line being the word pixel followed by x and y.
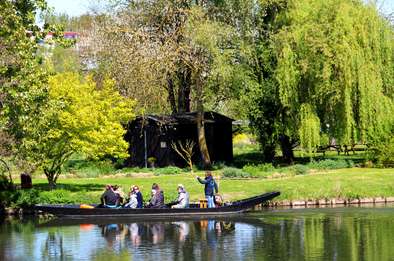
pixel 136 188
pixel 108 187
pixel 208 173
pixel 155 186
pixel 180 188
pixel 115 188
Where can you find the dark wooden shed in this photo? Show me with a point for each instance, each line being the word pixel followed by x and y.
pixel 152 135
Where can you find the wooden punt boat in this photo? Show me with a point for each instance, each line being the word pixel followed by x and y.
pixel 234 208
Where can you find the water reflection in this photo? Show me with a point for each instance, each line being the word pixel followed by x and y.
pixel 329 234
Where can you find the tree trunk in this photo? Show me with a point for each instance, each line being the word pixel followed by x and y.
pixel 171 95
pixel 202 142
pixel 287 149
pixel 51 177
pixel 269 152
pixel 184 90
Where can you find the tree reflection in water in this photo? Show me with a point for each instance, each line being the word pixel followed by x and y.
pixel 330 234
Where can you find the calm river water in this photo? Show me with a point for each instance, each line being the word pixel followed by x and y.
pixel 352 233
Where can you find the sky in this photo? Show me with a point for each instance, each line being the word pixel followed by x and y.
pixel 78 7
pixel 71 7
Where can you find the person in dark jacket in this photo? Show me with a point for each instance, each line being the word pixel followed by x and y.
pixel 140 200
pixel 210 188
pixel 157 199
pixel 109 198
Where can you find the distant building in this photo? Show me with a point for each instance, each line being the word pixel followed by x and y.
pixel 151 137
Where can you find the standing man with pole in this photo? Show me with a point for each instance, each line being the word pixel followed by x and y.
pixel 210 188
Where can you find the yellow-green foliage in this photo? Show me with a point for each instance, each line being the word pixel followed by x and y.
pixel 90 118
pixel 80 117
pixel 309 128
pixel 242 139
pixel 338 56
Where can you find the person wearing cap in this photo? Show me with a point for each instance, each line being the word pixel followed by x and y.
pixel 157 199
pixel 183 198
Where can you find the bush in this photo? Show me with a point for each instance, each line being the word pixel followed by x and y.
pixel 27 198
pixel 89 169
pixel 5 183
pixel 134 170
pixel 58 196
pixel 170 170
pixel 297 169
pixel 242 140
pixel 218 165
pixel 383 152
pixel 19 198
pixel 7 197
pixel 331 164
pixel 235 173
pixel 260 170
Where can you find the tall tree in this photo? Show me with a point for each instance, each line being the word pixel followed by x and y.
pixel 22 79
pixel 78 118
pixel 171 55
pixel 332 73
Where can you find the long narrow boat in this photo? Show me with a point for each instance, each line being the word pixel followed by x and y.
pixel 234 208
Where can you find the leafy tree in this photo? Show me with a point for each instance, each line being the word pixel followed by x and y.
pixel 170 56
pixel 332 73
pixel 79 117
pixel 22 79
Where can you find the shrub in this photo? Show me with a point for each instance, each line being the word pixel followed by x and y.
pixel 260 170
pixel 235 173
pixel 27 198
pixel 242 139
pixel 7 197
pixel 296 169
pixel 89 169
pixel 5 183
pixel 170 170
pixel 134 170
pixel 58 196
pixel 218 165
pixel 383 152
pixel 331 164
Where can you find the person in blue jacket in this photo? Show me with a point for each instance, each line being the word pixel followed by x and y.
pixel 140 200
pixel 210 188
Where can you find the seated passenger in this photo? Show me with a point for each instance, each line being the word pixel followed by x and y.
pixel 183 198
pixel 133 202
pixel 157 199
pixel 135 198
pixel 140 200
pixel 118 191
pixel 109 198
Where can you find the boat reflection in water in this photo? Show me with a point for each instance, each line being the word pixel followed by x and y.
pixel 307 234
pixel 135 234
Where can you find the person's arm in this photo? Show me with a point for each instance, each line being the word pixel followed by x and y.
pixel 216 187
pixel 139 199
pixel 102 198
pixel 202 181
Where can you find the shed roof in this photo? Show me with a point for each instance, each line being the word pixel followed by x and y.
pixel 185 118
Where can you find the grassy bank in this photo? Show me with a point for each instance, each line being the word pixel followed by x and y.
pixel 341 183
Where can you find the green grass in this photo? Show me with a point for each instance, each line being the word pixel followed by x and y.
pixel 344 183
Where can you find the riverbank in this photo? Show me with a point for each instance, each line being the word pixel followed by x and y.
pixel 341 184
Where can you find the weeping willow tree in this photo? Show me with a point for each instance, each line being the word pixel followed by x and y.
pixel 335 71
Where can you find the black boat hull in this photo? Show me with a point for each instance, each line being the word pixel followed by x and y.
pixel 236 208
